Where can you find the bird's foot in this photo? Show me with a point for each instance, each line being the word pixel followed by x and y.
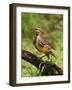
pixel 42 56
pixel 50 60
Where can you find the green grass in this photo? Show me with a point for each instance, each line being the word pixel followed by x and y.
pixel 28 69
pixel 52 26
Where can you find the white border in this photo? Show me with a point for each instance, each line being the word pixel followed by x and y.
pixel 63 77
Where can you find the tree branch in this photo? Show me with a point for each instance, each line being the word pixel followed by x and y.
pixel 46 68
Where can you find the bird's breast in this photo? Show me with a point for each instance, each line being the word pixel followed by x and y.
pixel 38 44
pixel 41 45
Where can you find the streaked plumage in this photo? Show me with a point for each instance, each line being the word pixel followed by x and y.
pixel 42 44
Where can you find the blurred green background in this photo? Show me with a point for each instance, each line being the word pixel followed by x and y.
pixel 52 26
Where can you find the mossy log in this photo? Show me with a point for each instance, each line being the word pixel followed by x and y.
pixel 46 68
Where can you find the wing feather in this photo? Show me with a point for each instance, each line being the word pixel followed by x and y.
pixel 43 41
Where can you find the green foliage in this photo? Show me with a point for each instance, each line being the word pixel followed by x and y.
pixel 52 26
pixel 28 70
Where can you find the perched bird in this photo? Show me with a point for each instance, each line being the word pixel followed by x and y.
pixel 42 45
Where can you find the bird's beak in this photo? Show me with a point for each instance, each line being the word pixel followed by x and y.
pixel 33 29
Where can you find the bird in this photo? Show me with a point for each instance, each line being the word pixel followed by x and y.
pixel 42 44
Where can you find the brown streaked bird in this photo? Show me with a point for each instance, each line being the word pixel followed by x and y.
pixel 42 45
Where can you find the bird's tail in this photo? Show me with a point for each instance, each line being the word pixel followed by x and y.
pixel 53 52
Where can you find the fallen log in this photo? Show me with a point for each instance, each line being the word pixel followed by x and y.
pixel 46 68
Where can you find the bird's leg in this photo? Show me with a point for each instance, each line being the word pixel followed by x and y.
pixel 50 58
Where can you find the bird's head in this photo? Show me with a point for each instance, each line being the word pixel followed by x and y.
pixel 38 31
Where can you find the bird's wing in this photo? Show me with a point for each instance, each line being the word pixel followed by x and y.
pixel 42 41
pixel 46 42
pixel 51 45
